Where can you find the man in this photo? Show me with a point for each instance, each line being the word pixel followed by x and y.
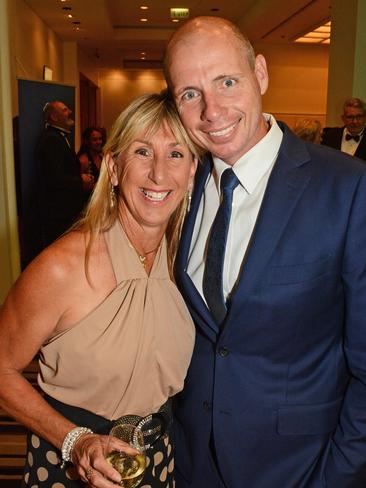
pixel 275 396
pixel 60 191
pixel 349 138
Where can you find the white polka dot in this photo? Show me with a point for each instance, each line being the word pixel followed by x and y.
pixel 35 441
pixel 147 462
pixel 166 440
pixel 169 450
pixel 171 466
pixel 52 457
pixel 58 485
pixel 26 477
pixel 158 457
pixel 30 459
pixel 164 474
pixel 42 474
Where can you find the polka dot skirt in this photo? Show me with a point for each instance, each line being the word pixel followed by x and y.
pixel 42 468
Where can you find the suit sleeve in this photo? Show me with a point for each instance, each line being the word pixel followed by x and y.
pixel 345 465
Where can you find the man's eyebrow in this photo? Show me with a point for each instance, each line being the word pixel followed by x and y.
pixel 228 75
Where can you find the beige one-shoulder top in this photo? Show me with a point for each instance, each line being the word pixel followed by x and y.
pixel 131 353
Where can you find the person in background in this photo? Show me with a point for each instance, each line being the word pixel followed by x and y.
pixel 349 138
pixel 114 334
pixel 271 264
pixel 60 186
pixel 90 155
pixel 308 129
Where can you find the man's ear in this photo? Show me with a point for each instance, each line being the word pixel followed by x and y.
pixel 261 73
pixel 112 169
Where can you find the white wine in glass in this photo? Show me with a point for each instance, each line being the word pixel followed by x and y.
pixel 131 468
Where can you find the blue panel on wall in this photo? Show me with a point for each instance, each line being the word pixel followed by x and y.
pixel 32 96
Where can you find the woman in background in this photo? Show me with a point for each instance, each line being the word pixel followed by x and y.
pixel 91 155
pixel 114 334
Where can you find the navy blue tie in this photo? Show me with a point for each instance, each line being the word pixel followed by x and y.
pixel 214 266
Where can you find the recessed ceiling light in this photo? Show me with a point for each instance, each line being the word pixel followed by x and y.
pixel 143 20
pixel 143 54
pixel 70 16
pixel 144 7
pixel 175 20
pixel 320 35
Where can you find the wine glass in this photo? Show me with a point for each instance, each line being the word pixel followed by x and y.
pixel 131 468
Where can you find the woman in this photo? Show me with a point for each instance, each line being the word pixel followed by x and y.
pixel 90 156
pixel 114 335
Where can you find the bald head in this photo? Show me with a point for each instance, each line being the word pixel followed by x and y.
pixel 58 114
pixel 199 27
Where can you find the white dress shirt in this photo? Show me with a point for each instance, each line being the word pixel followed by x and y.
pixel 253 171
pixel 350 147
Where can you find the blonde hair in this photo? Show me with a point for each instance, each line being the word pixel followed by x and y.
pixel 308 130
pixel 145 114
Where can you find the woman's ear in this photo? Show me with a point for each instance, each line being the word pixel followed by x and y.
pixel 112 169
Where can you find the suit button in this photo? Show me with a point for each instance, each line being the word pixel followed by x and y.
pixel 223 352
pixel 207 406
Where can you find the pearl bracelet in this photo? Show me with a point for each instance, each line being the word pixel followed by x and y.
pixel 69 442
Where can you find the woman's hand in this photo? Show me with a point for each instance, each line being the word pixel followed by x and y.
pixel 89 457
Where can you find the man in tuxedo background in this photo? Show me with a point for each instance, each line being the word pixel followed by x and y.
pixel 60 184
pixel 349 138
pixel 272 267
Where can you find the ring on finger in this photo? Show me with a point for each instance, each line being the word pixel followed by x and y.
pixel 89 473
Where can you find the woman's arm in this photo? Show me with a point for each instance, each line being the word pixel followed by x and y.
pixel 43 301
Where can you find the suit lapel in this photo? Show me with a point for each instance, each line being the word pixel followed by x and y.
pixel 197 306
pixel 287 182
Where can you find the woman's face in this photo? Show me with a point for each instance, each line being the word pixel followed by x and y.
pixel 95 141
pixel 158 171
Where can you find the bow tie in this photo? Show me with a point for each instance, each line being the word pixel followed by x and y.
pixel 350 136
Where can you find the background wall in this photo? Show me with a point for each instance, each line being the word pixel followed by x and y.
pixel 119 88
pixel 298 75
pixel 33 44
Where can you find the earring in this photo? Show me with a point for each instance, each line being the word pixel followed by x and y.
pixel 189 199
pixel 112 197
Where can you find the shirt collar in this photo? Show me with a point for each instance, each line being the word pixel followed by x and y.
pixel 254 164
pixel 360 134
pixel 61 129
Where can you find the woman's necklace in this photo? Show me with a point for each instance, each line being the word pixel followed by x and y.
pixel 142 257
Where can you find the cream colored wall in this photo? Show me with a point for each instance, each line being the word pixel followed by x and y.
pixel 298 76
pixel 9 247
pixel 119 87
pixel 33 45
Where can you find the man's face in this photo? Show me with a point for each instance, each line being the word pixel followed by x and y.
pixel 61 116
pixel 217 93
pixel 354 119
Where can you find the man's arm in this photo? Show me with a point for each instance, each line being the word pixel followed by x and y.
pixel 346 460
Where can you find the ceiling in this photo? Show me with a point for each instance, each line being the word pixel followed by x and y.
pixel 111 32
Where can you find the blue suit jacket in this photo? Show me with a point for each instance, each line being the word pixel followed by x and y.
pixel 283 387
